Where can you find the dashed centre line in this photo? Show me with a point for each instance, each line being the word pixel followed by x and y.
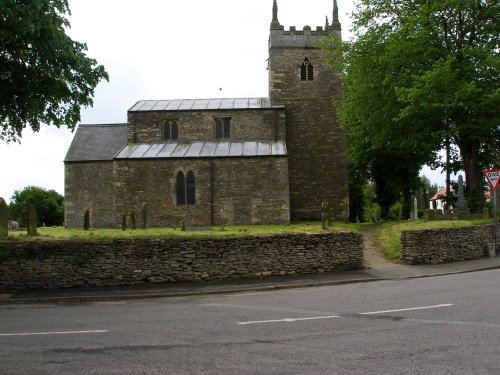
pixel 407 309
pixel 291 320
pixel 54 333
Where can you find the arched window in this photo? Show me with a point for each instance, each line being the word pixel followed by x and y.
pixel 306 70
pixel 185 189
pixel 170 130
pixel 180 189
pixel 190 188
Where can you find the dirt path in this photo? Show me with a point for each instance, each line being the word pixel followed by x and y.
pixel 372 255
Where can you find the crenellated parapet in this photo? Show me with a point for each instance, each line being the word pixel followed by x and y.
pixel 307 37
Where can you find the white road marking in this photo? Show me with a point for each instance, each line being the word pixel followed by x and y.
pixel 54 333
pixel 407 309
pixel 289 320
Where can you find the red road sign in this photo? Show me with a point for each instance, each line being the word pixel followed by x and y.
pixel 493 177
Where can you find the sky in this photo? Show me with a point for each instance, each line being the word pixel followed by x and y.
pixel 163 49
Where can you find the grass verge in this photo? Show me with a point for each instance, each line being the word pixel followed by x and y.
pixel 389 234
pixel 60 233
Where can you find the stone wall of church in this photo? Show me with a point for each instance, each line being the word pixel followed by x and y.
pixel 199 125
pixel 89 186
pixel 235 190
pixel 315 140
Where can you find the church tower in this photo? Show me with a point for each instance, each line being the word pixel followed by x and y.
pixel 300 79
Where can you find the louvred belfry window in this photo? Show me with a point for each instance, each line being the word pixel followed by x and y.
pixel 306 70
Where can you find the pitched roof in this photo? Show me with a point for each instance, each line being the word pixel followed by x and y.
pixel 440 193
pixel 97 142
pixel 203 104
pixel 207 149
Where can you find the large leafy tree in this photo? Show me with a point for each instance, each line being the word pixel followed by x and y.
pixel 49 205
pixel 45 76
pixel 420 73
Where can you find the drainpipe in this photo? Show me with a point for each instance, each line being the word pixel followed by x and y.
pixel 211 191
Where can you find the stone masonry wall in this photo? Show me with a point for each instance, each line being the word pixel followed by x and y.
pixel 56 264
pixel 315 140
pixel 247 190
pixel 248 124
pixel 89 186
pixel 433 246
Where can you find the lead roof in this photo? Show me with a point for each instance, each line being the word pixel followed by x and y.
pixel 203 104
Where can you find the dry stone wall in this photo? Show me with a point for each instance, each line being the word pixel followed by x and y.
pixel 57 264
pixel 433 246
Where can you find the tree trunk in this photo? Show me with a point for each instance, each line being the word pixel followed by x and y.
pixel 469 150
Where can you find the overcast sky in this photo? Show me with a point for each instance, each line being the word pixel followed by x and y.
pixel 163 49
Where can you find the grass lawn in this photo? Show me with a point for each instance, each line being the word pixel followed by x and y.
pixel 60 233
pixel 389 234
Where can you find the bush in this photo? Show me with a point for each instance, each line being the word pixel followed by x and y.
pixel 49 206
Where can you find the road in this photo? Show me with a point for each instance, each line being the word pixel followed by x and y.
pixel 438 325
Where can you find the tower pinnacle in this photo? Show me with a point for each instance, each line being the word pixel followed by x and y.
pixel 335 20
pixel 275 24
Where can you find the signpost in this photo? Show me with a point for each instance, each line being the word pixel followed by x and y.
pixel 493 177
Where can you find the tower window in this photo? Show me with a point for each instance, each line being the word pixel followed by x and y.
pixel 170 130
pixel 185 189
pixel 306 70
pixel 223 128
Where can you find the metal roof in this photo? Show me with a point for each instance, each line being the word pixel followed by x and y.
pixel 97 142
pixel 208 149
pixel 203 104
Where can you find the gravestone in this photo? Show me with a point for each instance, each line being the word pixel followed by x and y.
pixel 132 219
pixel 461 204
pixel 124 221
pixel 415 209
pixel 13 225
pixel 32 220
pixel 86 220
pixel 144 212
pixel 324 213
pixel 4 220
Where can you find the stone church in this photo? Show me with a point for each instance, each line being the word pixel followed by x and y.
pixel 236 160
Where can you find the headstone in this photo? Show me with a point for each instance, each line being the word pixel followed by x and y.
pixel 415 209
pixel 32 220
pixel 4 220
pixel 427 215
pixel 124 221
pixel 144 212
pixel 86 220
pixel 461 204
pixel 486 213
pixel 132 219
pixel 13 225
pixel 324 213
pixel 328 214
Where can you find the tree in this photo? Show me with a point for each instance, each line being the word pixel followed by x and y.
pixel 45 76
pixel 49 205
pixel 419 73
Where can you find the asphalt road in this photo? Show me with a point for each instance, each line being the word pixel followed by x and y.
pixel 439 325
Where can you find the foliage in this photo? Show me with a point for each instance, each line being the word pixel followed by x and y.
pixel 420 73
pixel 45 76
pixel 49 205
